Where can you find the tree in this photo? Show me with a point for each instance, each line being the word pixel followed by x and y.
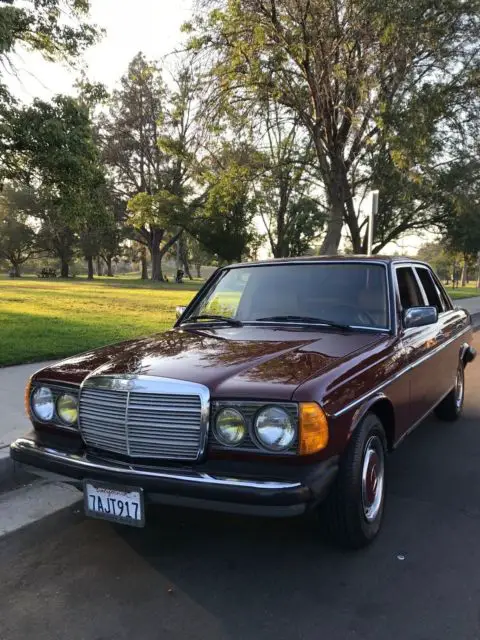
pixel 291 216
pixel 134 146
pixel 58 30
pixel 224 223
pixel 359 75
pixel 56 156
pixel 113 232
pixel 438 257
pixel 55 28
pixel 17 237
pixel 462 228
pixel 199 255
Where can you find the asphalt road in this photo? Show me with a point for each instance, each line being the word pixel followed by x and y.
pixel 204 576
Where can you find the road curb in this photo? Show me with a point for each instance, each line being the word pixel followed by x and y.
pixel 6 464
pixel 11 475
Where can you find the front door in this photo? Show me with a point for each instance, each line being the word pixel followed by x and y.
pixel 423 349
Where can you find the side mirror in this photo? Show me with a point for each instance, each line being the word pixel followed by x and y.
pixel 179 311
pixel 419 317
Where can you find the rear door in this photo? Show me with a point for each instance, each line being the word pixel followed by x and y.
pixel 449 323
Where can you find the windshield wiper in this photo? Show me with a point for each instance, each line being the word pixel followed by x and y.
pixel 215 318
pixel 306 320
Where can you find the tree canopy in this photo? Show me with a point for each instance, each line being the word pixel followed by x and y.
pixel 369 80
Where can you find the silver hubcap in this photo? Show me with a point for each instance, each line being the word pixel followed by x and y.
pixel 459 388
pixel 373 477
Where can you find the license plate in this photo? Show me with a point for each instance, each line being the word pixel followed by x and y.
pixel 117 504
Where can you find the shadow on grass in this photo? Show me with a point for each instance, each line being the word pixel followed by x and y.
pixel 124 283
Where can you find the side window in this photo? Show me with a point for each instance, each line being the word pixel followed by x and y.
pixel 430 289
pixel 447 304
pixel 410 294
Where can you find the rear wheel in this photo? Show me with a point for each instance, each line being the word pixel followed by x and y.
pixel 353 511
pixel 451 407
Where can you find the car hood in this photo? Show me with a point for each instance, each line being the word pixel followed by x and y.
pixel 234 362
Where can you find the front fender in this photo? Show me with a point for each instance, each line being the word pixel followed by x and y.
pixel 383 407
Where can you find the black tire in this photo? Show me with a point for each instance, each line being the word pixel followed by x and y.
pixel 346 517
pixel 451 407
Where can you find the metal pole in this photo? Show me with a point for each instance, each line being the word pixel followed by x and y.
pixel 371 221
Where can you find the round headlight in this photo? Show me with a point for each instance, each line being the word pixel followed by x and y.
pixel 274 429
pixel 67 408
pixel 43 405
pixel 230 427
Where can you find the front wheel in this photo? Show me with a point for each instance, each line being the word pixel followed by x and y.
pixel 451 407
pixel 353 511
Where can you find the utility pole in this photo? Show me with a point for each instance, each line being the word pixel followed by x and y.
pixel 371 221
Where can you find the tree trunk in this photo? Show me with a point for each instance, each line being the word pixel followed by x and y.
pixel 336 197
pixel 64 268
pixel 464 272
pixel 90 267
pixel 108 261
pixel 156 262
pixel 333 236
pixel 15 270
pixel 99 266
pixel 279 246
pixel 184 256
pixel 143 260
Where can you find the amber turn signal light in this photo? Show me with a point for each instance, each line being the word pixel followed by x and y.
pixel 28 389
pixel 313 435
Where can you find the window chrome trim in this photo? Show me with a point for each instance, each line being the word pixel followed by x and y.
pixel 397 375
pixel 195 477
pixel 426 302
pixel 129 383
pixel 439 295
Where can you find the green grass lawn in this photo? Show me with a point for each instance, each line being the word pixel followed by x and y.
pixel 463 292
pixel 46 319
pixel 43 319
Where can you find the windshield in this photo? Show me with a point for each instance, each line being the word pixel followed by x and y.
pixel 353 294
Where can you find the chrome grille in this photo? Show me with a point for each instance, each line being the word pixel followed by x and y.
pixel 142 423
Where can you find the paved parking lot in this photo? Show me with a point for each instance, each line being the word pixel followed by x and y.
pixel 198 575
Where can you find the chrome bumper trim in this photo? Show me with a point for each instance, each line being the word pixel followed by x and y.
pixel 83 462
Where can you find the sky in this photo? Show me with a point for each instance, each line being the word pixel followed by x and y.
pixel 150 26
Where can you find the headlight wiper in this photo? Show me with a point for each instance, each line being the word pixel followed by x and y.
pixel 214 318
pixel 306 320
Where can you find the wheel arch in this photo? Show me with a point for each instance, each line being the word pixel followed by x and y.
pixel 467 353
pixel 383 408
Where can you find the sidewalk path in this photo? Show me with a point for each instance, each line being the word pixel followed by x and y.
pixel 14 423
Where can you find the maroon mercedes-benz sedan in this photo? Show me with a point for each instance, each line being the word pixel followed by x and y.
pixel 280 390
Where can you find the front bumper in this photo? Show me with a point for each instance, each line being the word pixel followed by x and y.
pixel 182 486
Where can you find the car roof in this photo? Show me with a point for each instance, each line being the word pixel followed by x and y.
pixel 338 258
